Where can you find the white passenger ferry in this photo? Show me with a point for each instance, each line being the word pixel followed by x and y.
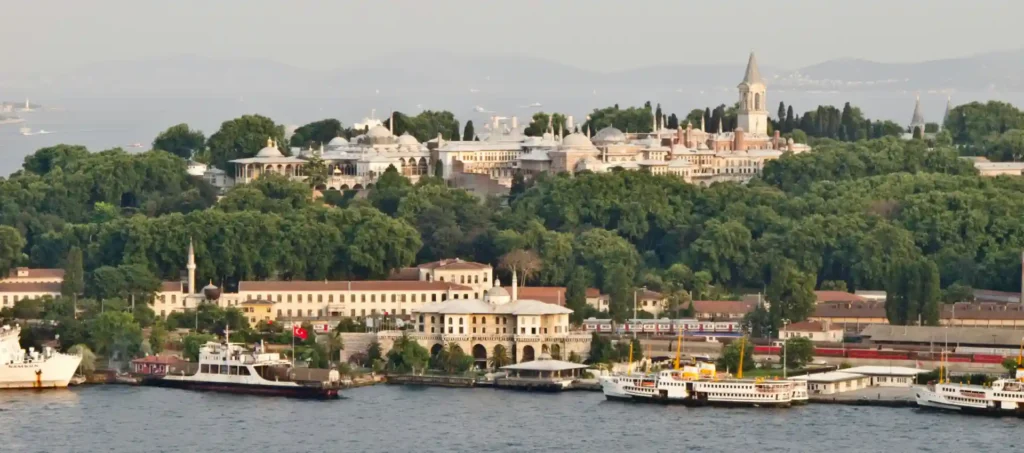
pixel 21 369
pixel 231 368
pixel 799 391
pixel 1003 397
pixel 698 385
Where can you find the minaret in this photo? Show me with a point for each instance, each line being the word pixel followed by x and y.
pixel 702 124
pixel 391 123
pixel 654 122
pixel 721 130
pixel 191 266
pixel 917 120
pixel 570 123
pixel 752 115
pixel 515 286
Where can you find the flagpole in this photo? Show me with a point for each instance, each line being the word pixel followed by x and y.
pixel 293 344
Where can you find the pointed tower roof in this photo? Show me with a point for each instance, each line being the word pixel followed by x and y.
pixel 949 107
pixel 918 118
pixel 753 75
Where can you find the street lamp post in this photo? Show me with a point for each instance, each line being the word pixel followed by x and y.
pixel 644 289
pixel 785 350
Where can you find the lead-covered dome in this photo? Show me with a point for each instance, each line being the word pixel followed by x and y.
pixel 610 134
pixel 270 150
pixel 577 140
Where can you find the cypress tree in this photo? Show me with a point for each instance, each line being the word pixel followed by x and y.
pixel 782 112
pixel 790 120
pixel 468 134
pixel 673 121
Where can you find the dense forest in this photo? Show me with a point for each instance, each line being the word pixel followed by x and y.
pixel 910 217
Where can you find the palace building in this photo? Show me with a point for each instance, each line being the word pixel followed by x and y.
pixel 526 328
pixel 409 290
pixel 691 152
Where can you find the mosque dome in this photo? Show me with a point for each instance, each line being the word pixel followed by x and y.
pixel 408 140
pixel 610 134
pixel 337 142
pixel 378 132
pixel 270 150
pixel 211 291
pixel 497 295
pixel 576 140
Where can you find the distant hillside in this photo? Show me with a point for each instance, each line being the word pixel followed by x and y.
pixel 512 75
pixel 999 71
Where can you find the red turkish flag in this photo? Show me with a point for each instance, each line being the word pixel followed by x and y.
pixel 298 331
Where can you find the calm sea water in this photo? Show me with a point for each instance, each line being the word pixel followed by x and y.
pixel 397 419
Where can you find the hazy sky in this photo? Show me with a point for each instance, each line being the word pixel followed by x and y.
pixel 46 35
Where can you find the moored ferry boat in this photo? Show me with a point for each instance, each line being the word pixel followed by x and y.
pixel 1003 397
pixel 231 368
pixel 21 369
pixel 799 391
pixel 698 385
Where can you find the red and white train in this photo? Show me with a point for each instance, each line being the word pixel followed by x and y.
pixel 664 326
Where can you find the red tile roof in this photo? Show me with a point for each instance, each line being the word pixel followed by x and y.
pixel 549 294
pixel 371 285
pixel 453 264
pixel 593 292
pixel 650 295
pixel 730 307
pixel 56 274
pixel 30 287
pixel 405 273
pixel 837 296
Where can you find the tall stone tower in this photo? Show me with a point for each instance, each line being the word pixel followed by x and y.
pixel 752 115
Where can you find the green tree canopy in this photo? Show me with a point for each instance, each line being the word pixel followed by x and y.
pixel 180 140
pixel 317 133
pixel 540 122
pixel 11 244
pixel 243 137
pixel 116 334
pixel 799 352
pixel 632 119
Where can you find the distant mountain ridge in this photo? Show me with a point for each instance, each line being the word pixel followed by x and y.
pixel 434 72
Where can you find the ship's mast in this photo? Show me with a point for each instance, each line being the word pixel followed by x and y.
pixel 679 346
pixel 739 373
